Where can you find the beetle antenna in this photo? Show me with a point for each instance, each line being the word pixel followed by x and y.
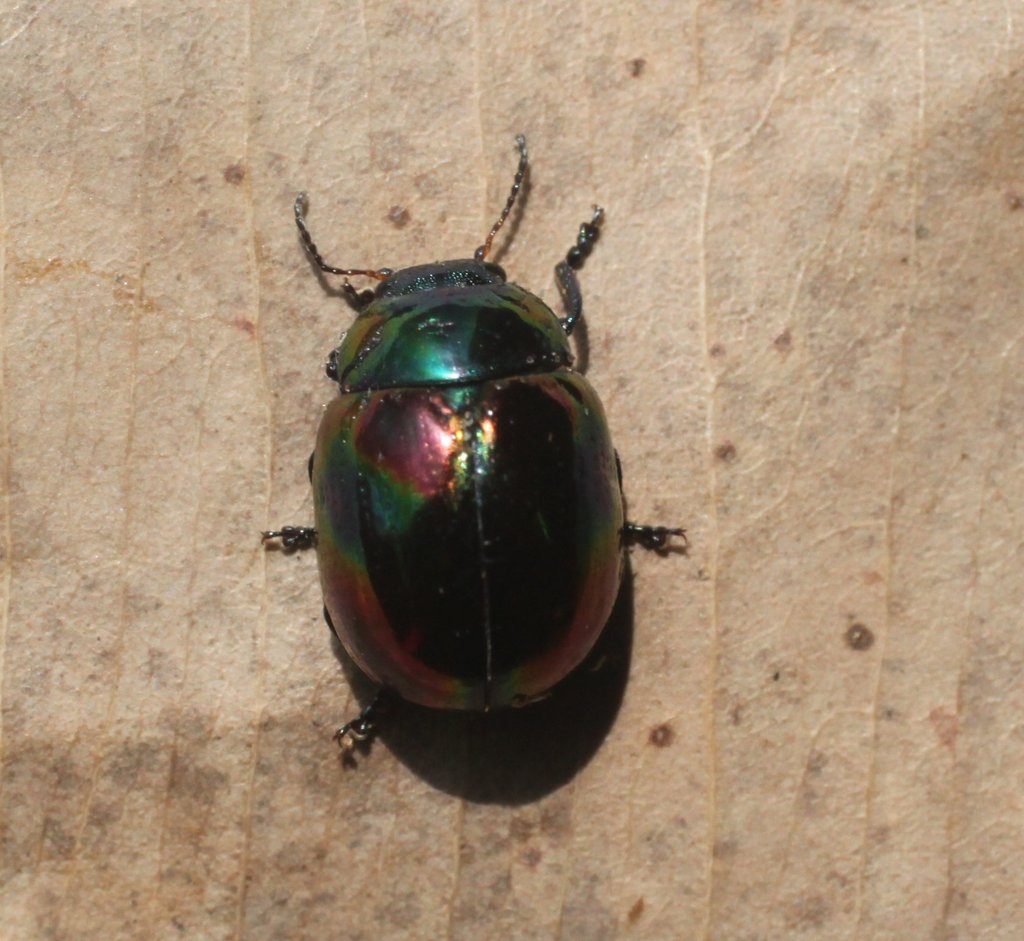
pixel 301 203
pixel 517 184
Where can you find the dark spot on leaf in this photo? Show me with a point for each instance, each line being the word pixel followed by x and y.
pixel 636 910
pixel 717 350
pixel 816 763
pixel 398 216
pixel 661 735
pixel 807 911
pixel 725 848
pixel 556 820
pixel 532 857
pixel 246 325
pixel 784 341
pixel 521 829
pixel 234 174
pixel 859 636
pixel 726 452
pixel 946 726
pixel 636 67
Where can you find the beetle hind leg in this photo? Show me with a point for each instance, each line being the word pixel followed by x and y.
pixel 362 728
pixel 657 538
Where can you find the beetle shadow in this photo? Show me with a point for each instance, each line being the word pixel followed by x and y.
pixel 511 756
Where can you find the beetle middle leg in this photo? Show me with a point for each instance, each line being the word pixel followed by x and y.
pixel 294 537
pixel 565 271
pixel 657 538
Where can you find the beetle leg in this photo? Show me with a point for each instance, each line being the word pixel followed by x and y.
pixel 362 727
pixel 357 300
pixel 653 537
pixel 292 537
pixel 565 271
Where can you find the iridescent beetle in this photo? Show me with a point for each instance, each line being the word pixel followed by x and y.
pixel 468 502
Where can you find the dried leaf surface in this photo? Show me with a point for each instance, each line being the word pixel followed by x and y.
pixel 804 320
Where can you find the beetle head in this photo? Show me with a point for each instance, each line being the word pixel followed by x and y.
pixel 460 273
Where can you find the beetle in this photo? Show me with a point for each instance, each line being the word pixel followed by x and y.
pixel 468 506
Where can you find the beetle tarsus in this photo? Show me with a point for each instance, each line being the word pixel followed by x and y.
pixel 361 729
pixel 565 271
pixel 656 538
pixel 292 537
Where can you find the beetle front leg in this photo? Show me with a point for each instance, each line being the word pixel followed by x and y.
pixel 657 538
pixel 357 300
pixel 565 271
pixel 292 537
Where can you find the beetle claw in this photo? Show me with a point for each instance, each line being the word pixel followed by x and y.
pixel 348 737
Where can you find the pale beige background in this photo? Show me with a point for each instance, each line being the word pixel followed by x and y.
pixel 804 320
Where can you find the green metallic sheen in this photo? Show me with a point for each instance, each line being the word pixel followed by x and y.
pixel 463 334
